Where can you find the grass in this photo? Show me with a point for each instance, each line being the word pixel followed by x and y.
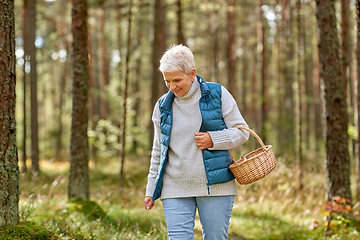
pixel 271 208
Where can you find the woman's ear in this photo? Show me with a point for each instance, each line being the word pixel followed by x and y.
pixel 193 74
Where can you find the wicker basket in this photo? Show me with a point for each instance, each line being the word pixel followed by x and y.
pixel 254 165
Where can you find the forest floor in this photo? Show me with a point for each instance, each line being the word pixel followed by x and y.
pixel 271 208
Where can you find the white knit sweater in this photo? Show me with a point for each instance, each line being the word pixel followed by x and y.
pixel 185 173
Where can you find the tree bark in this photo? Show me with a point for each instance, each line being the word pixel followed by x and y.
pixel 137 86
pixel 94 71
pixel 78 188
pixel 286 125
pixel 346 57
pixel 214 30
pixel 337 154
pixel 62 86
pixel 26 43
pixel 245 82
pixel 180 34
pixel 318 105
pixel 308 72
pixel 280 40
pixel 231 47
pixel 9 170
pixel 119 67
pixel 158 48
pixel 254 89
pixel 345 42
pixel 125 100
pixel 30 12
pixel 24 147
pixel 301 44
pixel 262 59
pixel 288 144
pixel 94 85
pixel 358 93
pixel 104 65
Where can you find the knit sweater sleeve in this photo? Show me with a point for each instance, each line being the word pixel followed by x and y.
pixel 155 153
pixel 230 137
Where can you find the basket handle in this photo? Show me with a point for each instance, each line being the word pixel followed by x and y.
pixel 254 134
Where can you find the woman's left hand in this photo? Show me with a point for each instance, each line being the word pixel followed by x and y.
pixel 149 203
pixel 203 140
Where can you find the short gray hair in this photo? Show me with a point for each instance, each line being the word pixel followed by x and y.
pixel 177 58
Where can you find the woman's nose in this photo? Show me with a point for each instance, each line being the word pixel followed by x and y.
pixel 171 86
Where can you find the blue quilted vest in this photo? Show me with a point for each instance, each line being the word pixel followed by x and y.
pixel 216 162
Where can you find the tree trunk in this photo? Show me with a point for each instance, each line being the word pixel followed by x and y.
pixel 9 170
pixel 125 100
pixel 119 67
pixel 318 105
pixel 231 46
pixel 158 48
pixel 137 103
pixel 280 40
pixel 345 42
pixel 288 144
pixel 214 29
pixel 346 57
pixel 299 124
pixel 180 35
pixel 337 154
pixel 254 89
pixel 62 87
pixel 352 77
pixel 94 85
pixel 25 85
pixel 345 62
pixel 308 71
pixel 244 73
pixel 358 93
pixel 78 188
pixel 30 13
pixel 94 72
pixel 24 149
pixel 137 88
pixel 104 65
pixel 262 59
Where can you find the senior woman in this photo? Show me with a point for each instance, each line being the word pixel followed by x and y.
pixel 194 129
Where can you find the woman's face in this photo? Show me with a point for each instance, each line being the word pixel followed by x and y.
pixel 179 82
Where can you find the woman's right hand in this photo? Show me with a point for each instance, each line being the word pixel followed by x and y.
pixel 149 203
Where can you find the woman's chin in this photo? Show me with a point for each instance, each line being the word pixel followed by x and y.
pixel 178 93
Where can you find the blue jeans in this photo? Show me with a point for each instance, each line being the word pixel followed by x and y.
pixel 214 213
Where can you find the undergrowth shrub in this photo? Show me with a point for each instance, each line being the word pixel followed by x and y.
pixel 338 218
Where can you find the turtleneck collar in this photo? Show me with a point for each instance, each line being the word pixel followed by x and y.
pixel 192 93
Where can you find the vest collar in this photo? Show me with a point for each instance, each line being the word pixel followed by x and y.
pixel 203 86
pixel 166 105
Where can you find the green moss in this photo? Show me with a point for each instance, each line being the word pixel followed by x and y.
pixel 89 208
pixel 26 231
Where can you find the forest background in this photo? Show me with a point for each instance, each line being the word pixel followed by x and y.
pixel 267 53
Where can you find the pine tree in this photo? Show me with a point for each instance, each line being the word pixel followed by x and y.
pixel 78 188
pixel 337 153
pixel 9 170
